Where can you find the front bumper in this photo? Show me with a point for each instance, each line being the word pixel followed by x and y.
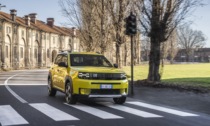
pixel 107 96
pixel 92 88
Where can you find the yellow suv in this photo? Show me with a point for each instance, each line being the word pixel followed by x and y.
pixel 87 74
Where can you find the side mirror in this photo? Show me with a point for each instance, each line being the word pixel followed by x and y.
pixel 115 65
pixel 62 64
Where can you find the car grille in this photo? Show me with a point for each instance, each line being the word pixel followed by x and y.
pixel 106 76
pixel 105 91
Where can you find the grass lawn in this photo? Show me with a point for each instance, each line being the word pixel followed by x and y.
pixel 183 74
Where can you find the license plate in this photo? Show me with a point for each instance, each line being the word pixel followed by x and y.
pixel 106 86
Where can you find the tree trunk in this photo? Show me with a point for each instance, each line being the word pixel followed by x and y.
pixel 118 56
pixel 154 61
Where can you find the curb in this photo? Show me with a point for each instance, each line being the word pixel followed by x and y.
pixel 172 86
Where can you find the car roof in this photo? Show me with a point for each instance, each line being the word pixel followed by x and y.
pixel 83 53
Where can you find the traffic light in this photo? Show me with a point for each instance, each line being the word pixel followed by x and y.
pixel 131 25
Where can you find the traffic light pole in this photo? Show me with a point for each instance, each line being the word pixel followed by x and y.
pixel 131 30
pixel 132 92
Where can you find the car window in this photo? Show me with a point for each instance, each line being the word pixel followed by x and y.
pixel 65 59
pixel 58 59
pixel 89 60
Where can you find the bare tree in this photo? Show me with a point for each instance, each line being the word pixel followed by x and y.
pixel 92 19
pixel 103 24
pixel 145 47
pixel 118 9
pixel 159 19
pixel 169 48
pixel 190 39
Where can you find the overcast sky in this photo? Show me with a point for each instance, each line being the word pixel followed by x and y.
pixel 51 8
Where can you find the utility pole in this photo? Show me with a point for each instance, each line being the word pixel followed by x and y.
pixel 131 30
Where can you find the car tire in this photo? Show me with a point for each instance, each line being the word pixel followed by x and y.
pixel 70 98
pixel 51 90
pixel 120 100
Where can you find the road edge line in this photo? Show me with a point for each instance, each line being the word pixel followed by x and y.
pixel 11 91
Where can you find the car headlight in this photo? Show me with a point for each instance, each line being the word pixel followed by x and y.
pixel 83 75
pixel 123 76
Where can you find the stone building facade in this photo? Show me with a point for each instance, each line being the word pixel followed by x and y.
pixel 26 42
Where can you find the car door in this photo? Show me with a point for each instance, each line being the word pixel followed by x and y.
pixel 62 73
pixel 56 70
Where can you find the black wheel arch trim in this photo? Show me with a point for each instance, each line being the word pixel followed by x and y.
pixel 68 78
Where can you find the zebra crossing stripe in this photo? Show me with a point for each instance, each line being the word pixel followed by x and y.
pixel 8 116
pixel 96 112
pixel 163 109
pixel 130 110
pixel 52 112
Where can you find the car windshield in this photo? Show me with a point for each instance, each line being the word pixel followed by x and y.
pixel 89 60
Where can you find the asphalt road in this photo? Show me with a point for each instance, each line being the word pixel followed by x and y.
pixel 24 102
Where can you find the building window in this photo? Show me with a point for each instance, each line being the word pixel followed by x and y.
pixel 21 52
pixel 53 40
pixel 47 37
pixel 8 29
pixel 48 53
pixel 37 35
pixel 15 52
pixel 44 55
pixel 7 52
pixel 35 53
pixel 15 30
pixel 22 33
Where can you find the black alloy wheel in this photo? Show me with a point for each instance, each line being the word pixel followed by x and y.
pixel 120 100
pixel 70 98
pixel 51 90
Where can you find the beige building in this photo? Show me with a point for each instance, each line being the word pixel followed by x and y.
pixel 26 42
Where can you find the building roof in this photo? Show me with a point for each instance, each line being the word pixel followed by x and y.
pixel 40 25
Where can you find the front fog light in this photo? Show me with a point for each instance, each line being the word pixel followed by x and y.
pixel 124 91
pixel 85 91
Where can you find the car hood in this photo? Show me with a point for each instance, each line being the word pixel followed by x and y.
pixel 98 69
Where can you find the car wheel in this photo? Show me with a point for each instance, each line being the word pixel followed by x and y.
pixel 51 90
pixel 70 98
pixel 120 100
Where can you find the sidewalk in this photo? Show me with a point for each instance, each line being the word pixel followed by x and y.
pixel 197 102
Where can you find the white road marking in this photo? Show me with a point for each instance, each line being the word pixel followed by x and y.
pixel 25 84
pixel 12 92
pixel 163 109
pixel 96 112
pixel 53 112
pixel 8 116
pixel 130 110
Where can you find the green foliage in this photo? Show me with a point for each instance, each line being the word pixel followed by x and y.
pixel 179 74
